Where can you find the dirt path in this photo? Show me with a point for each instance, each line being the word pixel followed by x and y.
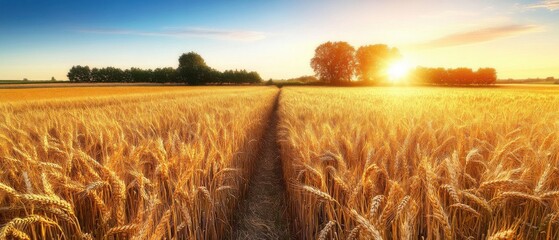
pixel 263 212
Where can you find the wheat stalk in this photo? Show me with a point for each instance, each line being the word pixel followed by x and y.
pixel 319 194
pixel 366 225
pixel 466 208
pixel 451 192
pixel 503 235
pixel 9 190
pixel 327 229
pixel 375 205
pixel 354 233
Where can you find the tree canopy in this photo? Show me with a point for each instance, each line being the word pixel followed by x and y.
pixel 373 60
pixel 454 76
pixel 192 70
pixel 334 62
pixel 79 74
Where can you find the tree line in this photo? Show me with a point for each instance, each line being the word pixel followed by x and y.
pixel 192 70
pixel 455 76
pixel 338 62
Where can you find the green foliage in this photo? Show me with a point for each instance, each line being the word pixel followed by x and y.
pixel 192 70
pixel 108 74
pixel 140 75
pixel 164 75
pixel 79 74
pixel 240 76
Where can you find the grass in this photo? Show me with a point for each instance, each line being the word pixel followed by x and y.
pixel 412 163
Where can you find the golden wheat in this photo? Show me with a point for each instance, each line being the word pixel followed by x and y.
pixel 433 163
pixel 102 164
pixel 360 163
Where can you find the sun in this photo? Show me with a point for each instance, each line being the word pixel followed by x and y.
pixel 397 71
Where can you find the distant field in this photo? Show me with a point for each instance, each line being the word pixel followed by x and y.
pixel 63 92
pixel 26 82
pixel 49 84
pixel 530 81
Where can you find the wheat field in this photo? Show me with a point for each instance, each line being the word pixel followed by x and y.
pixel 150 165
pixel 421 163
pixel 358 163
pixel 38 92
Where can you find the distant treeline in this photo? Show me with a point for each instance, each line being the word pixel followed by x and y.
pixel 337 63
pixel 300 80
pixel 192 70
pixel 456 76
pixel 548 80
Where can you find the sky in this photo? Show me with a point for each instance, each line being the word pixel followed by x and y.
pixel 44 39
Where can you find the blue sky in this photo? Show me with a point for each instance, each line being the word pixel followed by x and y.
pixel 40 39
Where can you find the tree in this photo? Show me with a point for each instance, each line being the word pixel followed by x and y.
pixel 97 75
pixel 253 77
pixel 79 74
pixel 108 74
pixel 439 75
pixel 214 76
pixel 461 76
pixel 239 76
pixel 306 79
pixel 164 75
pixel 140 75
pixel 486 76
pixel 333 62
pixel 373 60
pixel 456 76
pixel 193 69
pixel 52 79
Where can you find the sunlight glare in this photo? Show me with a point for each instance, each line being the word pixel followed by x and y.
pixel 398 70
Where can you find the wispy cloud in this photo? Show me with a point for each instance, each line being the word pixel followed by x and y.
pixel 548 4
pixel 478 36
pixel 451 13
pixel 235 35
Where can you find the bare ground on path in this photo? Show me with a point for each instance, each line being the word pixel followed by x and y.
pixel 263 213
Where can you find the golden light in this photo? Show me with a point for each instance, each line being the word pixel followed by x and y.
pixel 397 71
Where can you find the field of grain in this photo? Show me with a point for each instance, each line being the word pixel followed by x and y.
pixel 421 163
pixel 31 93
pixel 357 163
pixel 141 166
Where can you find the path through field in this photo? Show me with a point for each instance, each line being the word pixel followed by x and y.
pixel 263 213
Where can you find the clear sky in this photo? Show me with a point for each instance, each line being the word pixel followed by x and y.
pixel 40 39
